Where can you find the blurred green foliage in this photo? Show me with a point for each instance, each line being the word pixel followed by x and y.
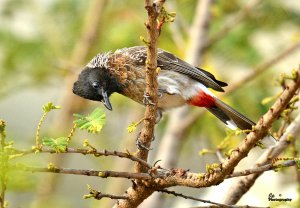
pixel 54 27
pixel 57 25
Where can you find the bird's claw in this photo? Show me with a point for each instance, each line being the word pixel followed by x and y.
pixel 158 116
pixel 147 100
pixel 141 146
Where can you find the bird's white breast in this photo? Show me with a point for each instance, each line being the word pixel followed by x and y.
pixel 175 89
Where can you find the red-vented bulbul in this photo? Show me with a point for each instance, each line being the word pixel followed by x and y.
pixel 179 83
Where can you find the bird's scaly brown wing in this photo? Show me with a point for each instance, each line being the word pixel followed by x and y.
pixel 168 61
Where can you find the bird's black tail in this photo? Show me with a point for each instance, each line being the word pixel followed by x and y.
pixel 233 119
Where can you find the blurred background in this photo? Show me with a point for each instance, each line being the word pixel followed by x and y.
pixel 45 43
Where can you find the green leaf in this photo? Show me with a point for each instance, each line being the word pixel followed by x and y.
pixel 93 123
pixel 59 144
pixel 50 106
pixel 146 42
pixel 205 151
pixel 132 127
pixel 268 100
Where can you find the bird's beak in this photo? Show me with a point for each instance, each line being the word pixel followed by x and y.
pixel 105 99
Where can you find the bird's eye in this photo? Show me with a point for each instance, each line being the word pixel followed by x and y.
pixel 96 85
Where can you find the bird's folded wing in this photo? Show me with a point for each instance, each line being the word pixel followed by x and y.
pixel 168 61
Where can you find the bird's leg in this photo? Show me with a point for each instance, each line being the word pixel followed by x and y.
pixel 159 116
pixel 160 93
pixel 147 100
pixel 140 145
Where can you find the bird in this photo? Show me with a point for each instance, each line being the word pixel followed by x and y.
pixel 179 83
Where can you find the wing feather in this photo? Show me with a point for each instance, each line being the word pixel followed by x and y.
pixel 168 61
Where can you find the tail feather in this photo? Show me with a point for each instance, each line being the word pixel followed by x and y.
pixel 234 119
pixel 224 110
pixel 222 116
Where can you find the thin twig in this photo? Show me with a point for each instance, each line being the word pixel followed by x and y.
pixel 72 131
pixel 38 144
pixel 204 201
pixel 98 195
pixel 232 206
pixel 262 169
pixel 97 153
pixel 96 173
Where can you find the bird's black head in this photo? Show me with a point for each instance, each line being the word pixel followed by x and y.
pixel 96 84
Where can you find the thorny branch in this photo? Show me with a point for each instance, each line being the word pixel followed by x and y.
pixel 152 174
pixel 202 200
pixel 262 169
pixel 240 187
pixel 94 152
pixel 96 173
pixel 138 193
pixel 98 195
pixel 173 138
pixel 147 132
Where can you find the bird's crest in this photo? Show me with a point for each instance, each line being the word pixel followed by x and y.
pixel 99 61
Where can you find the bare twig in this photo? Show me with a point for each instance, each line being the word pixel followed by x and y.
pixel 240 187
pixel 202 200
pixel 98 195
pixel 233 206
pixel 261 169
pixel 97 153
pixel 96 173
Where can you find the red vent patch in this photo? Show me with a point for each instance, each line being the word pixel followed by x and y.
pixel 202 100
